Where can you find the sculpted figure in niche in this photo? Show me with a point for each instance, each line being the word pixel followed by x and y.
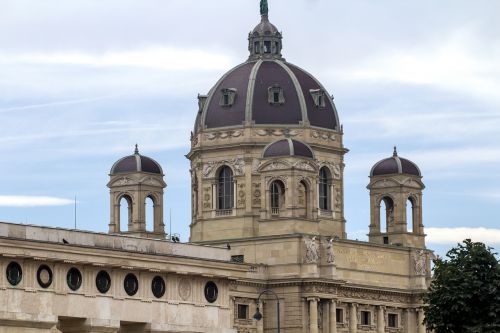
pixel 330 255
pixel 312 250
pixel 420 262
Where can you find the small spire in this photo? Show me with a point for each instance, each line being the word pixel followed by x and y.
pixel 264 8
pixel 395 152
pixel 136 149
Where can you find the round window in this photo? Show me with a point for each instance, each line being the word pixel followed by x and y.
pixel 44 276
pixel 211 292
pixel 103 282
pixel 131 284
pixel 14 273
pixel 74 279
pixel 158 286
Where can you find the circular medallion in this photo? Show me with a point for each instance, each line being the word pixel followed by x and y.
pixel 211 292
pixel 131 284
pixel 74 279
pixel 103 282
pixel 44 276
pixel 14 273
pixel 184 289
pixel 158 286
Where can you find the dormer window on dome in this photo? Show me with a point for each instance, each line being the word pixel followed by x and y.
pixel 319 97
pixel 228 96
pixel 275 95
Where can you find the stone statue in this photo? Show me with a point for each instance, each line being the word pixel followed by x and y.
pixel 312 250
pixel 330 255
pixel 420 262
pixel 264 8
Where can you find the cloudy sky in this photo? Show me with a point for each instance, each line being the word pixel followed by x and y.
pixel 82 81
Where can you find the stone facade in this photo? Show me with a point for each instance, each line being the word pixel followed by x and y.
pixel 267 171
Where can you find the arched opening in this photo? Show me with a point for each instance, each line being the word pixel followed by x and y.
pixel 225 189
pixel 302 198
pixel 277 196
pixel 125 214
pixel 149 209
pixel 324 189
pixel 410 214
pixel 386 214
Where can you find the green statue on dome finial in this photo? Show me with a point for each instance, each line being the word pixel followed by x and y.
pixel 264 8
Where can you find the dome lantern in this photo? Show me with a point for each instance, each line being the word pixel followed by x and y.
pixel 265 40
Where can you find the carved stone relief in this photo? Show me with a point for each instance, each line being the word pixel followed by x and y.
pixel 207 195
pixel 223 135
pixel 256 200
pixel 312 250
pixel 241 195
pixel 277 132
pixel 323 135
pixel 184 289
pixel 123 181
pixel 336 169
pixel 276 165
pixel 420 262
pixel 237 164
pixel 301 165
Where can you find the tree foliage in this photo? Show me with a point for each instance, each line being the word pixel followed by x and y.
pixel 464 296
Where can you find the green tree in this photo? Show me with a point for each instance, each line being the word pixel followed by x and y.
pixel 464 296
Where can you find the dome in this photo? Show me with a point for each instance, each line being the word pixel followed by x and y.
pixel 288 147
pixel 395 165
pixel 266 90
pixel 136 163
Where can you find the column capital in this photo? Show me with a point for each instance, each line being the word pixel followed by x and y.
pixel 315 299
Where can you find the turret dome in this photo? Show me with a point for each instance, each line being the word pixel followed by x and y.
pixel 395 165
pixel 136 163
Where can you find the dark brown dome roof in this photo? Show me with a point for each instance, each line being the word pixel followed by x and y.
pixel 136 163
pixel 288 147
pixel 251 83
pixel 395 165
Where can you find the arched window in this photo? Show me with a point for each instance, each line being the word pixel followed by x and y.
pixel 225 190
pixel 149 209
pixel 386 214
pixel 410 214
pixel 125 215
pixel 324 189
pixel 277 196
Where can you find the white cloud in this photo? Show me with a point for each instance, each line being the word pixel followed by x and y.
pixel 457 63
pixel 152 57
pixel 32 201
pixel 457 235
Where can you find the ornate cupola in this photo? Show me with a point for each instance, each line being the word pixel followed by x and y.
pixel 134 180
pixel 266 150
pixel 396 203
pixel 265 40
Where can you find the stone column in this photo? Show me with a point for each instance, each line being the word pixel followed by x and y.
pixel 353 318
pixel 380 320
pixel 420 321
pixel 333 316
pixel 313 315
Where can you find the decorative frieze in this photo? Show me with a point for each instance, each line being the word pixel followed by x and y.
pixel 325 136
pixel 277 132
pixel 223 135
